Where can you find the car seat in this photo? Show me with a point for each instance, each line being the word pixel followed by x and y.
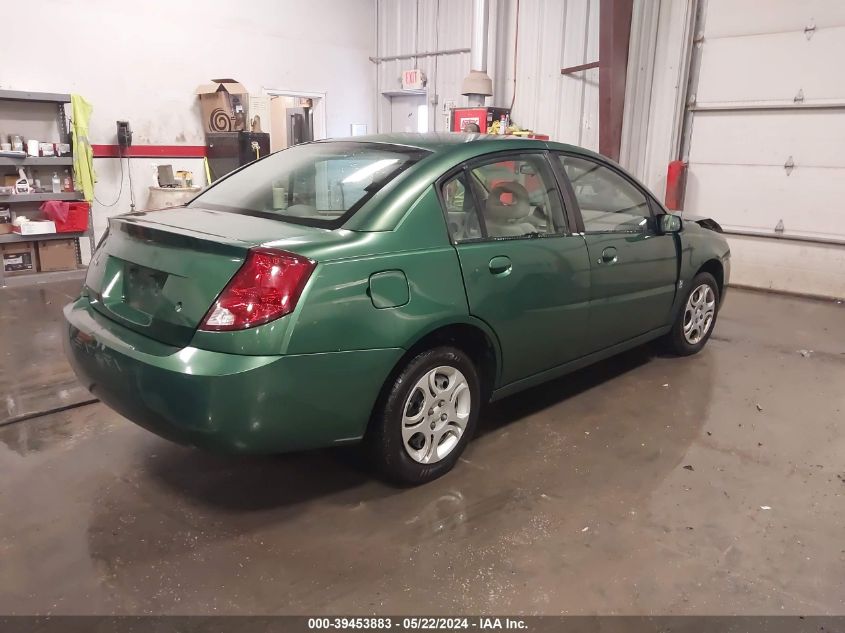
pixel 508 219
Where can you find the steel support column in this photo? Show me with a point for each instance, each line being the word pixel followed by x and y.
pixel 614 33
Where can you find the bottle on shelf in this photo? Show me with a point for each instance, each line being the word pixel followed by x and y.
pixel 22 184
pixel 68 181
pixel 57 184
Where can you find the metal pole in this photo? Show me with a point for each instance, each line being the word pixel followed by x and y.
pixel 478 50
pixel 448 51
pixel 480 22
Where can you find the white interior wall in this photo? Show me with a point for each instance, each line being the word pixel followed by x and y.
pixel 142 61
pixel 552 34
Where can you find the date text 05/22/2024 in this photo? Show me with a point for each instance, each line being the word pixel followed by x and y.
pixel 417 623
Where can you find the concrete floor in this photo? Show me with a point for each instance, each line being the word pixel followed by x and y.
pixel 644 485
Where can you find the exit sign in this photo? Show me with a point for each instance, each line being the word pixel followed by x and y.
pixel 413 79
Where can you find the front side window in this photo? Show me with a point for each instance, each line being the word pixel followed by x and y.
pixel 518 197
pixel 609 203
pixel 318 184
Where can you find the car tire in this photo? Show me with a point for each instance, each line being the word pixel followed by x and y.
pixel 696 318
pixel 408 452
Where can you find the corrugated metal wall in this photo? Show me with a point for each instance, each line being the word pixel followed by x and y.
pixel 552 34
pixel 420 26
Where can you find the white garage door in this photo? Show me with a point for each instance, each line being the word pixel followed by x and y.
pixel 767 144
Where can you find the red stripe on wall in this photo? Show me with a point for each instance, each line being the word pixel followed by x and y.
pixel 150 151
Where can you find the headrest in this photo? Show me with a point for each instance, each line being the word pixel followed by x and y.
pixel 516 207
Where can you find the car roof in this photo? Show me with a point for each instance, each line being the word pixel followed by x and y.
pixel 446 142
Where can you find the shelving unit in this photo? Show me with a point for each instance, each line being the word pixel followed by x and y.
pixel 36 161
pixel 22 95
pixel 22 122
pixel 9 238
pixel 40 197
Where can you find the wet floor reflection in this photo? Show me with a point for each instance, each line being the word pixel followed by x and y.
pixel 34 374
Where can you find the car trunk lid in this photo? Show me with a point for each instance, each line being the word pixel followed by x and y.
pixel 159 273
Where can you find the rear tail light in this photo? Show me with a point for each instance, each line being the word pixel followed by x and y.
pixel 266 287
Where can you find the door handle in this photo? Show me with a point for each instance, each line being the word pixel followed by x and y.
pixel 500 265
pixel 608 256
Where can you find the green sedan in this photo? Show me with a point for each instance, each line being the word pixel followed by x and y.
pixel 381 290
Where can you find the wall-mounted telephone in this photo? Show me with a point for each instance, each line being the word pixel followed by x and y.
pixel 124 134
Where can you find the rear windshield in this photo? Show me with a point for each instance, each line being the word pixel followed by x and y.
pixel 318 184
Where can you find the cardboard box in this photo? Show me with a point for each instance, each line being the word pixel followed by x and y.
pixel 6 228
pixel 56 255
pixel 223 103
pixel 18 258
pixel 36 227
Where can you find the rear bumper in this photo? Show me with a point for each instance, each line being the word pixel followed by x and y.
pixel 225 402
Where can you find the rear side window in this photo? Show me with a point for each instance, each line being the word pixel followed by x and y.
pixel 518 197
pixel 608 201
pixel 510 197
pixel 318 184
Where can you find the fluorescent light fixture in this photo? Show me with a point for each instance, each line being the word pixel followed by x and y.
pixel 369 170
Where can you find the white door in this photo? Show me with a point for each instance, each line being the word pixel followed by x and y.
pixel 408 113
pixel 767 139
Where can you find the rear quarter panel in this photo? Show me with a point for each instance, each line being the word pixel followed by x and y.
pixel 337 312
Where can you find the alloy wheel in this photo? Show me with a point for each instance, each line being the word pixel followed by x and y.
pixel 699 313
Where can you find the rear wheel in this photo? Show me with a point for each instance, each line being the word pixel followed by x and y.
pixel 696 319
pixel 426 417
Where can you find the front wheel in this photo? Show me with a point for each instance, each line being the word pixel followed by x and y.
pixel 696 319
pixel 426 417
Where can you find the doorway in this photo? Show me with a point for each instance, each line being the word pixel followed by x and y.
pixel 295 117
pixel 408 113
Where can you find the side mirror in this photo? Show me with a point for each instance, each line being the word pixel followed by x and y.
pixel 670 223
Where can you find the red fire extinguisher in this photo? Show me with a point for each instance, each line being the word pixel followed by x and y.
pixel 676 179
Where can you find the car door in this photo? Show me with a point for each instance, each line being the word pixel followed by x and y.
pixel 526 274
pixel 633 268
